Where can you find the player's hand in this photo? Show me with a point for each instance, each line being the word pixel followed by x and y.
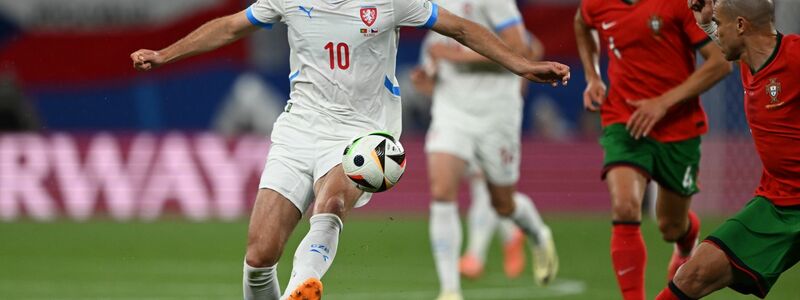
pixel 546 72
pixel 648 113
pixel 594 95
pixel 145 60
pixel 422 81
pixel 702 9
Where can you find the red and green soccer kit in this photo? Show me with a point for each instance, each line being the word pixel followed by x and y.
pixel 651 46
pixel 763 239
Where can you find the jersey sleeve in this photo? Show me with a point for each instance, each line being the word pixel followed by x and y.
pixel 415 13
pixel 502 14
pixel 264 13
pixel 697 36
pixel 586 12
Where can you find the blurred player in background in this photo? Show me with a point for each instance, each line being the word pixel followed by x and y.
pixel 751 250
pixel 652 120
pixel 477 115
pixel 343 86
pixel 482 220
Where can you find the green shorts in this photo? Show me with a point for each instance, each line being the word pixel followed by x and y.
pixel 761 242
pixel 674 165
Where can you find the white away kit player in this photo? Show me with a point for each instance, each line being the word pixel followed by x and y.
pixel 477 115
pixel 342 86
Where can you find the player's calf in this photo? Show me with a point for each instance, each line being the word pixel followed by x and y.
pixel 503 199
pixel 683 230
pixel 315 253
pixel 672 230
pixel 272 221
pixel 684 243
pixel 707 271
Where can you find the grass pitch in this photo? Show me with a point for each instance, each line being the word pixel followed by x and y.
pixel 380 257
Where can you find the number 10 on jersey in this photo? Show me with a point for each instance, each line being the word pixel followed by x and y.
pixel 339 58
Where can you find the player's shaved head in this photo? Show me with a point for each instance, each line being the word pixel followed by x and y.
pixel 760 13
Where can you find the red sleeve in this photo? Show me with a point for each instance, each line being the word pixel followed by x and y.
pixel 697 36
pixel 586 12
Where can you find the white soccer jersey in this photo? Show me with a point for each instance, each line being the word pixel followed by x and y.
pixel 470 93
pixel 343 54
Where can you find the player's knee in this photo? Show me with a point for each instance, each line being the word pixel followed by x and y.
pixel 671 230
pixel 440 191
pixel 261 256
pixel 334 204
pixel 693 278
pixel 503 209
pixel 626 208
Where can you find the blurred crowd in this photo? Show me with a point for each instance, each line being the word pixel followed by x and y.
pixel 252 102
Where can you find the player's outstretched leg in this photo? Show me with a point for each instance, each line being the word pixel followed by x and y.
pixel 446 172
pixel 481 224
pixel 677 224
pixel 445 234
pixel 684 246
pixel 545 259
pixel 273 219
pixel 315 254
pixel 628 251
pixel 522 211
pixel 706 271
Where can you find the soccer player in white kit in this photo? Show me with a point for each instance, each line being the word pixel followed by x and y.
pixel 342 86
pixel 477 115
pixel 482 220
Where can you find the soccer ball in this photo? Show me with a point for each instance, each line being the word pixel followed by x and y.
pixel 374 162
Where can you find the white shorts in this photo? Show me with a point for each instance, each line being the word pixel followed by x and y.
pixel 305 146
pixel 494 149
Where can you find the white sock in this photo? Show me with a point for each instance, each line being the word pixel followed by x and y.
pixel 482 220
pixel 260 283
pixel 315 253
pixel 445 233
pixel 507 229
pixel 527 218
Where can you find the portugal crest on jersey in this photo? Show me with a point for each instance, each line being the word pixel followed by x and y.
pixel 773 90
pixel 655 24
pixel 369 15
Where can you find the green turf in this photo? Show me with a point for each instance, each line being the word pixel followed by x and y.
pixel 379 258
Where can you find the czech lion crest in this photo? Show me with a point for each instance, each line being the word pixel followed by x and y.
pixel 369 15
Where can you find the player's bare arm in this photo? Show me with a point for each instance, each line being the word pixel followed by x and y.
pixel 589 49
pixel 487 44
pixel 211 35
pixel 650 111
pixel 513 36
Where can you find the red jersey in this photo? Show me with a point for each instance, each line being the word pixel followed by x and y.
pixel 651 49
pixel 772 105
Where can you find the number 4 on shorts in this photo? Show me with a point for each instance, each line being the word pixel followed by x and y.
pixel 687 178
